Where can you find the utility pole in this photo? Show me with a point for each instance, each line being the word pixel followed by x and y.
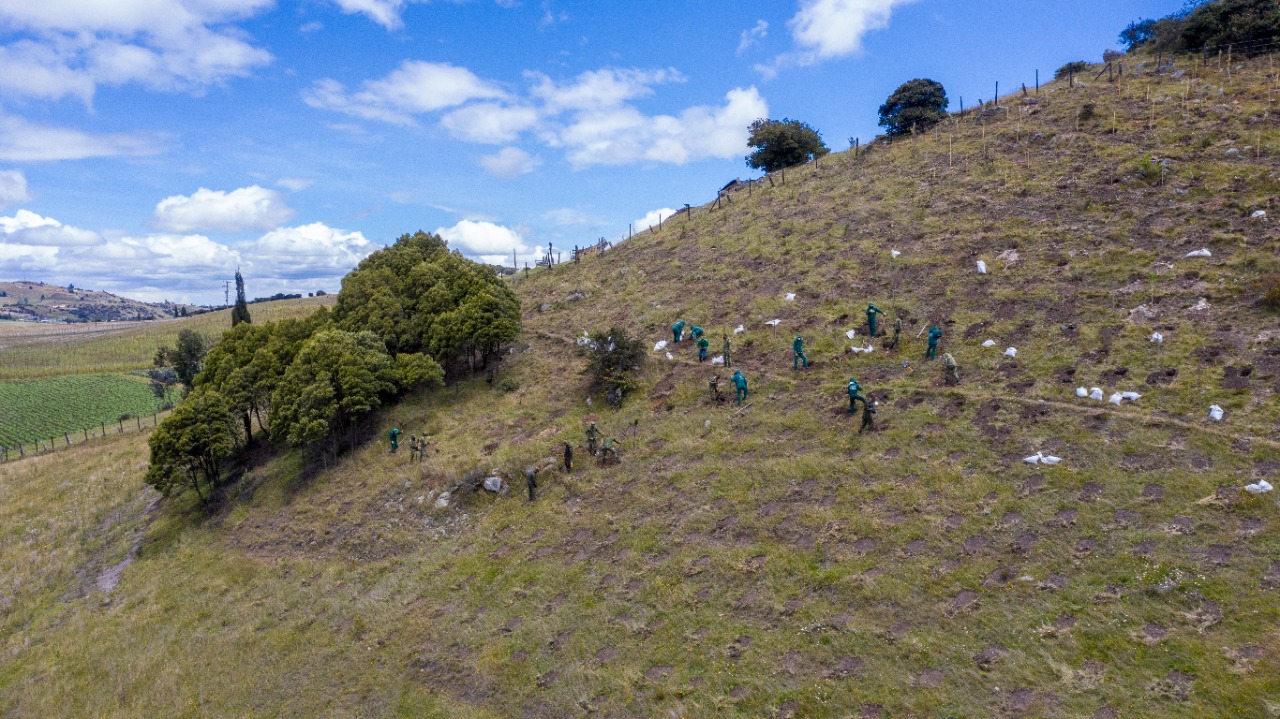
pixel 226 293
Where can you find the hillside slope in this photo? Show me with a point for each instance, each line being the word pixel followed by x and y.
pixel 769 561
pixel 36 301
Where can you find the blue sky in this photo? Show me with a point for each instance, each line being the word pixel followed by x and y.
pixel 149 147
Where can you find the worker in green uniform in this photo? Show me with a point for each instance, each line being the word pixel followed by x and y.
pixel 677 331
pixel 740 385
pixel 395 438
pixel 950 369
pixel 855 395
pixel 892 343
pixel 593 437
pixel 726 350
pixel 531 481
pixel 413 448
pixel 568 457
pixel 695 332
pixel 715 387
pixel 931 352
pixel 703 344
pixel 797 347
pixel 868 416
pixel 872 311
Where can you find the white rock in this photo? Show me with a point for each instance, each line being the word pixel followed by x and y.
pixel 493 484
pixel 739 330
pixel 989 343
pixel 894 253
pixel 1011 352
pixel 442 501
pixel 660 346
pixel 706 424
pixel 791 297
pixel 1082 392
pixel 850 333
pixel 1202 252
pixel 1115 398
pixel 1157 338
pixel 1131 396
pixel 1095 393
pixel 982 267
pixel 1215 413
pixel 1200 306
pixel 774 323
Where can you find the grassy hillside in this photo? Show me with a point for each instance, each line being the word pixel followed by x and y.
pixel 29 351
pixel 768 562
pixel 38 301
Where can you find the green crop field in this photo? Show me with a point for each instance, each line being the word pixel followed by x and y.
pixel 32 351
pixel 46 409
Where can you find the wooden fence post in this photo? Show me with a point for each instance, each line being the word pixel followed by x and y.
pixel 67 437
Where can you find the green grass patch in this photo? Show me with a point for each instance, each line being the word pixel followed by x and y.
pixel 45 409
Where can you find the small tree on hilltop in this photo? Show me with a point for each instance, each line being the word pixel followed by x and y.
pixel 917 104
pixel 783 143
pixel 240 313
pixel 615 362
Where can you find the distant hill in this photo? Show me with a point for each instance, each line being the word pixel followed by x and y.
pixel 40 302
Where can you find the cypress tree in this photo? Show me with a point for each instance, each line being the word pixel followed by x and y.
pixel 240 313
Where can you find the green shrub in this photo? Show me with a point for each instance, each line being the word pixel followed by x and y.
pixel 507 385
pixel 1071 68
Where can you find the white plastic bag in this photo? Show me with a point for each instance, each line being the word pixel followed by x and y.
pixel 1215 413
pixel 859 350
pixel 1202 252
pixel 894 253
pixel 670 356
pixel 989 343
pixel 1011 352
pixel 1033 459
pixel 982 267
pixel 1131 396
pixel 660 346
pixel 739 330
pixel 774 323
pixel 1081 392
pixel 791 297
pixel 1095 393
pixel 1049 459
pixel 1259 214
pixel 1115 398
pixel 718 360
pixel 850 333
pixel 1261 487
pixel 1157 338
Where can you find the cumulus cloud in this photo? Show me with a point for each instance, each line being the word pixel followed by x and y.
pixel 295 183
pixel 625 135
pixel 752 36
pixel 384 12
pixel 489 123
pixel 13 187
pixel 24 141
pixel 825 29
pixel 69 48
pixel 307 251
pixel 599 89
pixel 509 162
pixel 415 87
pixel 652 218
pixel 28 228
pixel 248 208
pixel 485 241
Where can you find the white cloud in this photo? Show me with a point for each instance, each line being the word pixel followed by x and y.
pixel 13 187
pixel 307 251
pixel 625 135
pixel 752 36
pixel 489 122
pixel 509 162
pixel 248 208
pixel 569 217
pixel 23 141
pixel 70 47
pixel 295 183
pixel 415 87
pixel 492 243
pixel 652 218
pixel 600 89
pixel 384 12
pixel 824 29
pixel 28 228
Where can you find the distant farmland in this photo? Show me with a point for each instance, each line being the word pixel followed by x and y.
pixel 45 409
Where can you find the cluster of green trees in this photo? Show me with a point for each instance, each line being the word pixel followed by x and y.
pixel 1251 26
pixel 404 315
pixel 614 360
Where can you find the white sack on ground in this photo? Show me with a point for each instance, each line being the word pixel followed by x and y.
pixel 982 267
